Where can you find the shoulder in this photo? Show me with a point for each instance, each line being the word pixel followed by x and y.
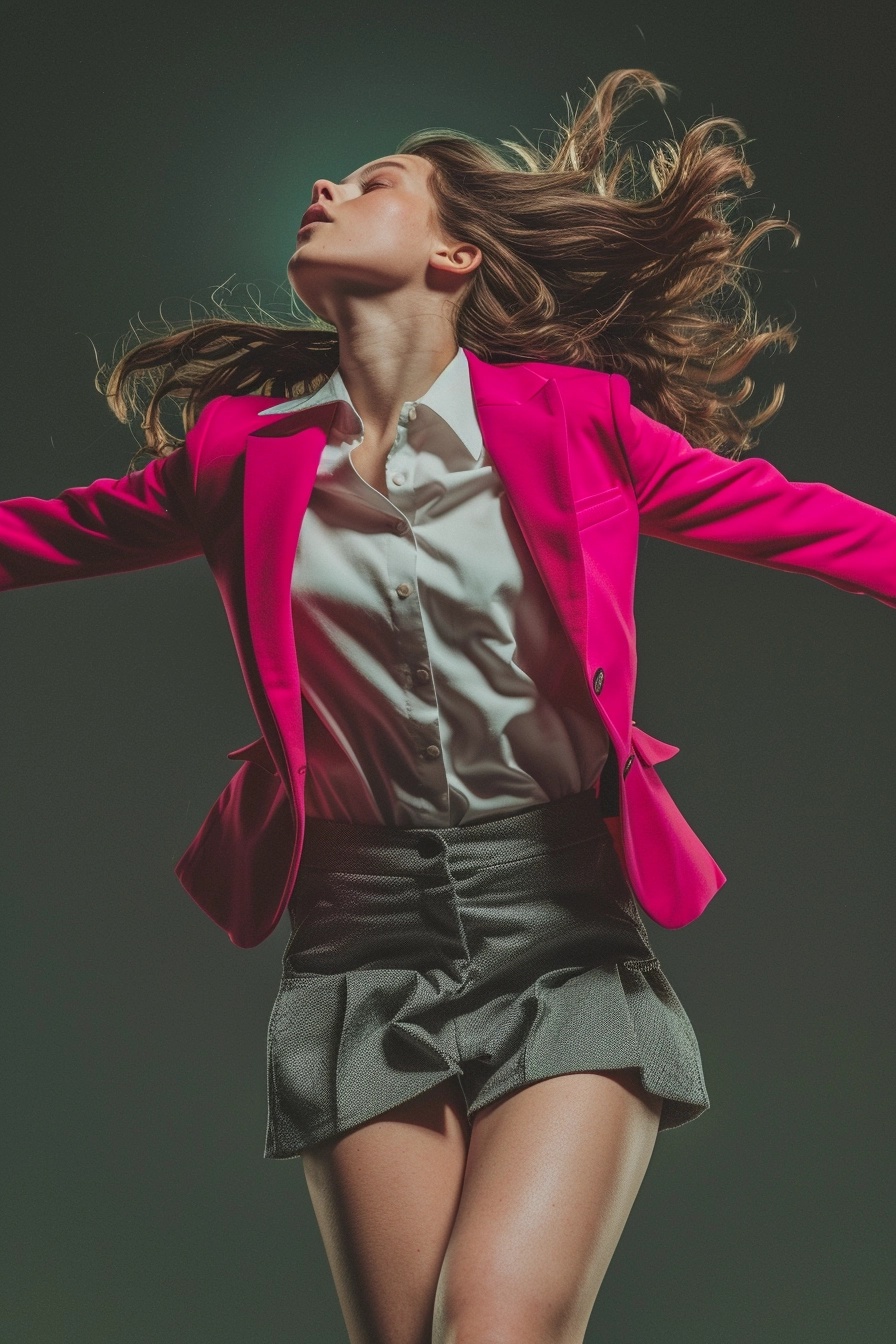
pixel 604 395
pixel 581 380
pixel 223 423
pixel 574 379
pixel 565 372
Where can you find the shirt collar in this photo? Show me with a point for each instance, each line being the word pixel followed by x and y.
pixel 450 396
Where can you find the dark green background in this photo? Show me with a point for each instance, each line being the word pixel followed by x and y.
pixel 151 153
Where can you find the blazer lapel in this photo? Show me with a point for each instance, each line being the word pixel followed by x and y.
pixel 523 425
pixel 282 458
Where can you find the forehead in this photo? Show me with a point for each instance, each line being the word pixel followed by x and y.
pixel 406 164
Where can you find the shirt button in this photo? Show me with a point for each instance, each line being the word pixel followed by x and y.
pixel 628 765
pixel 412 412
pixel 398 479
pixel 422 674
pixel 597 680
pixel 433 751
pixel 401 527
pixel 403 589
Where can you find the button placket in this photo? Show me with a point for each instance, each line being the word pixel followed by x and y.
pixel 395 463
pixel 415 674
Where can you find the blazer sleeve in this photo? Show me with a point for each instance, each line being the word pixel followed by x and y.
pixel 143 518
pixel 748 510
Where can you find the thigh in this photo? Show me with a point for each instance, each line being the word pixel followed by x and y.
pixel 552 1172
pixel 385 1196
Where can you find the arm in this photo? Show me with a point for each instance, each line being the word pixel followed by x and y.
pixel 112 525
pixel 747 510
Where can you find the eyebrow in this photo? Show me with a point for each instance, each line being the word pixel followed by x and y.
pixel 381 163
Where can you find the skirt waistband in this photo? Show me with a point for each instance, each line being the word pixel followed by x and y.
pixel 362 847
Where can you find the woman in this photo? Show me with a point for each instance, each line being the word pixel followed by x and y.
pixel 422 510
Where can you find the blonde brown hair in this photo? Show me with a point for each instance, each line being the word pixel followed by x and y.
pixel 588 259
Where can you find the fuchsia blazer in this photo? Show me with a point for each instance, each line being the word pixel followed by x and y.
pixel 584 471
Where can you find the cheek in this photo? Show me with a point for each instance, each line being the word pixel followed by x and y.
pixel 401 224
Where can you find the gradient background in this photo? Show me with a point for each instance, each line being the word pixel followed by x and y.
pixel 152 153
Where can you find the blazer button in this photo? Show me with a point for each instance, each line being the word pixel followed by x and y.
pixel 627 766
pixel 598 680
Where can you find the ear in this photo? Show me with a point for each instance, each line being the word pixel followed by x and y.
pixel 456 258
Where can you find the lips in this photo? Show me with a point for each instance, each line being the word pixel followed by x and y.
pixel 314 213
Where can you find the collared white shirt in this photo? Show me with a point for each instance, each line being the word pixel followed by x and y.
pixel 428 645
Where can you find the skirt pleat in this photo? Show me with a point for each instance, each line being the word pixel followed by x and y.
pixel 501 953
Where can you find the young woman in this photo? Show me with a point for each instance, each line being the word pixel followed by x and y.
pixel 422 507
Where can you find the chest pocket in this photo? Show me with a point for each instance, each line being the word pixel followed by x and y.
pixel 595 508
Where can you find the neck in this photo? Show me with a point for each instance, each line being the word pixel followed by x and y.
pixel 385 362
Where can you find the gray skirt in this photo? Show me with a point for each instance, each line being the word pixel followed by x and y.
pixel 500 952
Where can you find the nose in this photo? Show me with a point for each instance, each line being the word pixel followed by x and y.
pixel 323 187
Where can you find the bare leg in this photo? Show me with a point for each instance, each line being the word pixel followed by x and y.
pixel 552 1173
pixel 385 1196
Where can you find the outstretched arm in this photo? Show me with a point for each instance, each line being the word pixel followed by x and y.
pixel 112 525
pixel 747 510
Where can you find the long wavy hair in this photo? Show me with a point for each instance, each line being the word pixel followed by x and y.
pixel 589 258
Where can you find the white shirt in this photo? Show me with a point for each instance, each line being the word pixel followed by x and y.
pixel 428 644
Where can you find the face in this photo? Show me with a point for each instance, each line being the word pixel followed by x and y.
pixel 380 235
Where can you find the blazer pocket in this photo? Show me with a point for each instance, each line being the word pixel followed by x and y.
pixel 595 508
pixel 257 752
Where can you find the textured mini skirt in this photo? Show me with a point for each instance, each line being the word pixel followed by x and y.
pixel 500 952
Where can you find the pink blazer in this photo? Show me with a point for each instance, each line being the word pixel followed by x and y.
pixel 584 471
